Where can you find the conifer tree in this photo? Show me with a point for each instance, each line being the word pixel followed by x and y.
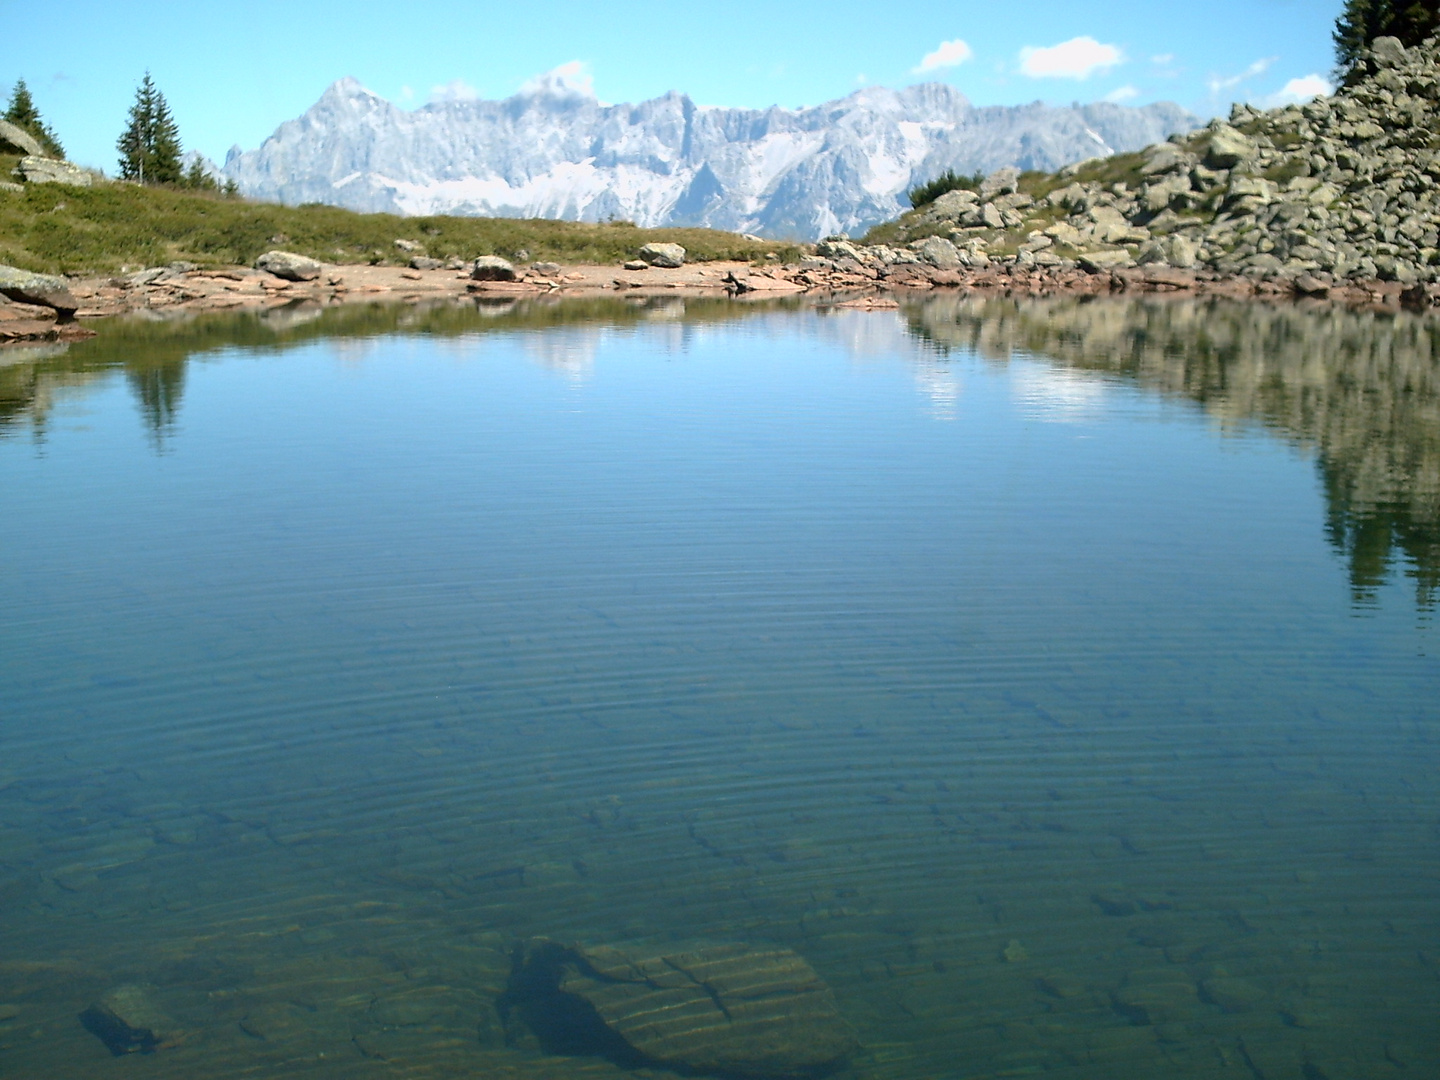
pixel 24 115
pixel 1362 21
pixel 150 144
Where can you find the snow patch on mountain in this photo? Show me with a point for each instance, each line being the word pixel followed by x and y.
pixel 554 151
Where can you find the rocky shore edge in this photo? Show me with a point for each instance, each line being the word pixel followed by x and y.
pixel 45 308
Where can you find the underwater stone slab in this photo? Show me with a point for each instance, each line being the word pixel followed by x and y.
pixel 728 1010
pixel 128 1021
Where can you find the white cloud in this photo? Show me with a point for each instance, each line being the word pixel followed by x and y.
pixel 1163 58
pixel 949 54
pixel 1077 58
pixel 454 90
pixel 406 93
pixel 565 80
pixel 1218 84
pixel 1122 93
pixel 1298 91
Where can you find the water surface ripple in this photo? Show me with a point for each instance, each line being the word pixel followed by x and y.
pixel 1058 678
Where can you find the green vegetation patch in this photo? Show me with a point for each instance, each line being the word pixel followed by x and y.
pixel 53 228
pixel 947 181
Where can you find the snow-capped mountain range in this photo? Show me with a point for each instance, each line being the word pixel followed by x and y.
pixel 554 151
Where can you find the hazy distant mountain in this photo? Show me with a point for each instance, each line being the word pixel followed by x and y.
pixel 554 151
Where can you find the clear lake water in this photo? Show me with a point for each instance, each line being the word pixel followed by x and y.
pixel 1059 678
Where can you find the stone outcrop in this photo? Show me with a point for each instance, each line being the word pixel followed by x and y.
pixel 720 1010
pixel 45 290
pixel 665 256
pixel 288 265
pixel 16 140
pixel 1343 188
pixel 44 170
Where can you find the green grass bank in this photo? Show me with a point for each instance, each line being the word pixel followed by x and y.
pixel 59 229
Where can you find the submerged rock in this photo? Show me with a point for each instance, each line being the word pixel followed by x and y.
pixel 128 1021
pixel 724 1010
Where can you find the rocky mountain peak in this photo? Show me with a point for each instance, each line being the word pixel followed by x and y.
pixel 554 150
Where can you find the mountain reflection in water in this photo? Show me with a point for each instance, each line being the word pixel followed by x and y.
pixel 986 659
pixel 1361 390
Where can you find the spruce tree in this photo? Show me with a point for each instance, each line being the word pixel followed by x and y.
pixel 1362 21
pixel 24 115
pixel 150 144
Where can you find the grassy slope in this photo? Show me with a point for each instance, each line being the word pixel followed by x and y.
pixel 58 229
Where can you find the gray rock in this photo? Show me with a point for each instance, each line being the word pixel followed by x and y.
pixel 992 217
pixel 44 170
pixel 953 204
pixel 725 1010
pixel 409 246
pixel 421 262
pixel 1165 157
pixel 45 290
pixel 288 265
pixel 635 264
pixel 1000 182
pixel 546 269
pixel 128 1021
pixel 939 252
pixel 1097 261
pixel 492 268
pixel 1388 52
pixel 1225 147
pixel 16 140
pixel 1182 252
pixel 665 256
pixel 832 248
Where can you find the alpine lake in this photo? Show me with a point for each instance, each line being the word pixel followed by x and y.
pixel 1056 681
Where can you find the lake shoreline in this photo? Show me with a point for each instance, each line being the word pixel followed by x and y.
pixel 215 289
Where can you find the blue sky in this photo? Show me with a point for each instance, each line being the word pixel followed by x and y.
pixel 233 72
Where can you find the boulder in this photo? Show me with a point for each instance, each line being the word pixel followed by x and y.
pixel 953 204
pixel 833 248
pixel 665 256
pixel 1096 262
pixel 1225 147
pixel 421 262
pixel 409 246
pixel 16 140
pixel 492 268
pixel 1182 252
pixel 726 1010
pixel 43 289
pixel 939 252
pixel 44 170
pixel 288 265
pixel 1388 52
pixel 1163 158
pixel 1000 182
pixel 128 1021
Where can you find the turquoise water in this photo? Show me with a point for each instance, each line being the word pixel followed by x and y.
pixel 1058 679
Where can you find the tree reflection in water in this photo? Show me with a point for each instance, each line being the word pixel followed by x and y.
pixel 1360 389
